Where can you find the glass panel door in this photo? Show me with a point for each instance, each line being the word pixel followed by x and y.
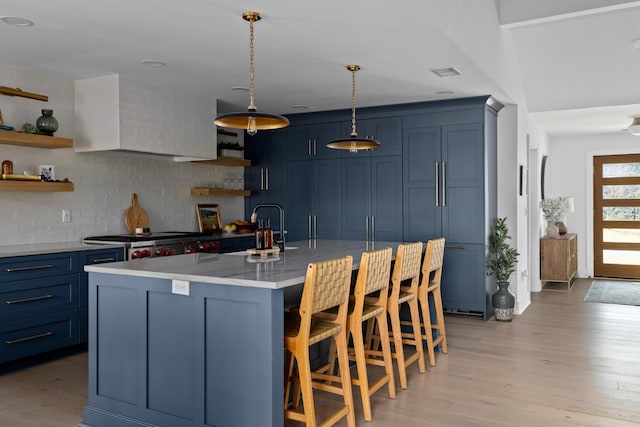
pixel 616 201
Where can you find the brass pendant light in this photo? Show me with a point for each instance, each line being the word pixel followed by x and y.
pixel 251 120
pixel 353 143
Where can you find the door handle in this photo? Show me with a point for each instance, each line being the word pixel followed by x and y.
pixel 309 227
pixel 18 301
pixel 309 146
pixel 437 192
pixel 266 174
pixel 373 228
pixel 444 184
pixel 366 228
pixel 315 227
pixel 261 178
pixel 35 267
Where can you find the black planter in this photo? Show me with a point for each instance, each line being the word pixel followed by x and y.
pixel 503 303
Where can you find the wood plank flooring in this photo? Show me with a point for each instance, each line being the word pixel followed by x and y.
pixel 563 363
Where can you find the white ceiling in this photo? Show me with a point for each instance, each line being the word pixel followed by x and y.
pixel 574 56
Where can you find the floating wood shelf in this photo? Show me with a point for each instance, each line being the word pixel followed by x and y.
pixel 8 185
pixel 226 161
pixel 33 140
pixel 219 192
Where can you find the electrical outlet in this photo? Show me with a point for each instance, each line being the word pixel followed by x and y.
pixel 66 216
pixel 180 287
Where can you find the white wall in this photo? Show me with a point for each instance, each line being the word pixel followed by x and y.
pixel 103 181
pixel 571 161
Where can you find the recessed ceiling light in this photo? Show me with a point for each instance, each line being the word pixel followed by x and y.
pixel 239 89
pixel 300 107
pixel 153 63
pixel 16 22
pixel 636 44
pixel 445 72
pixel 445 92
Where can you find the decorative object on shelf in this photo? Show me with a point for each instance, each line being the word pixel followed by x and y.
pixel 135 216
pixel 47 172
pixel 230 149
pixel 553 211
pixel 2 125
pixel 502 263
pixel 19 92
pixel 46 123
pixel 251 120
pixel 28 128
pixel 7 167
pixel 209 219
pixel 353 143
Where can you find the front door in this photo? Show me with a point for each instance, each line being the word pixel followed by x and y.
pixel 616 219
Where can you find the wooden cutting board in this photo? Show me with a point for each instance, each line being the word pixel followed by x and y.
pixel 135 216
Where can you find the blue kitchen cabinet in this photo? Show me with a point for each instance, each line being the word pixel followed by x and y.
pixel 371 206
pixel 314 199
pixel 266 178
pixel 98 256
pixel 386 130
pixel 309 141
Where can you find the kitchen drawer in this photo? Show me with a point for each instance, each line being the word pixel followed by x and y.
pixel 30 267
pixel 100 256
pixel 38 335
pixel 27 298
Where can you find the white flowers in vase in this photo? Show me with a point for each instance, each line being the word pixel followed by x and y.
pixel 553 209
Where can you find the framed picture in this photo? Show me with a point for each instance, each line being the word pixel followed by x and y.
pixel 524 181
pixel 47 172
pixel 208 218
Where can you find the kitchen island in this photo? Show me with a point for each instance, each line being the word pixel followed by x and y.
pixel 196 339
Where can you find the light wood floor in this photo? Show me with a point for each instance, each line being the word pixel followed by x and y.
pixel 563 363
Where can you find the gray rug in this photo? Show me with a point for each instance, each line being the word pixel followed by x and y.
pixel 614 292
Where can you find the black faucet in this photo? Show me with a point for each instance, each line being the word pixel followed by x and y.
pixel 254 216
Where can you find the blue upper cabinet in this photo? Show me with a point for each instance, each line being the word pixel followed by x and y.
pixel 386 130
pixel 310 141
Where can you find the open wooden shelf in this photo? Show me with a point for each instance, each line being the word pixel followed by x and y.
pixel 33 140
pixel 219 192
pixel 8 185
pixel 226 161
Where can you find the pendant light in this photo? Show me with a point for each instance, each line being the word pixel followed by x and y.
pixel 353 143
pixel 251 120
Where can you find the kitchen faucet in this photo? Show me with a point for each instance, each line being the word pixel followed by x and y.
pixel 254 216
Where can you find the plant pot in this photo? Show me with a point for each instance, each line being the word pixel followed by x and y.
pixel 503 303
pixel 552 230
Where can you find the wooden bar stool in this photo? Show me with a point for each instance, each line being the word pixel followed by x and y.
pixel 373 276
pixel 406 269
pixel 326 286
pixel 430 284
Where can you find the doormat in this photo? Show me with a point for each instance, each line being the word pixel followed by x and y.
pixel 614 292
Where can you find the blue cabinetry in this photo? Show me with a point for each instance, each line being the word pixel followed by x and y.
pixel 307 141
pixel 386 130
pixel 371 206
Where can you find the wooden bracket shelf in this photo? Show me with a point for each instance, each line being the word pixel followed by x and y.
pixel 8 185
pixel 33 140
pixel 219 192
pixel 226 161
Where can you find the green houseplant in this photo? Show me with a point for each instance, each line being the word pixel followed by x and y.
pixel 502 263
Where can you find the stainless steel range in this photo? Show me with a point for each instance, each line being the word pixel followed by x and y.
pixel 160 244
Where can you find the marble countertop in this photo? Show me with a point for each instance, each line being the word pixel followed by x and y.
pixel 50 248
pixel 237 269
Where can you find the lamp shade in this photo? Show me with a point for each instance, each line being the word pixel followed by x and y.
pixel 634 128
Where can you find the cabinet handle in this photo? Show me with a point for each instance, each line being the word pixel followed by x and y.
pixel 33 337
pixel 309 227
pixel 437 185
pixel 18 301
pixel 261 178
pixel 309 146
pixel 444 184
pixel 96 261
pixel 454 246
pixel 266 174
pixel 34 267
pixel 315 143
pixel 315 226
pixel 373 228
pixel 366 228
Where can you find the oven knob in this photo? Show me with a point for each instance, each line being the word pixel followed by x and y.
pixel 136 254
pixel 161 252
pixel 171 252
pixel 145 253
pixel 191 250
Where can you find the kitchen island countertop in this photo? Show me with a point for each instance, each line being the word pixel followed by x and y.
pixel 237 269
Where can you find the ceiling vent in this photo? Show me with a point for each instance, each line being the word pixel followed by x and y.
pixel 445 72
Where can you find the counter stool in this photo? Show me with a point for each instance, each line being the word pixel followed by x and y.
pixel 326 286
pixel 406 269
pixel 430 284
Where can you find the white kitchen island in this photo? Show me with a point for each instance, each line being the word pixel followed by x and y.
pixel 196 339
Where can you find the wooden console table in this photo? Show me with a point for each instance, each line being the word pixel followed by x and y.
pixel 558 261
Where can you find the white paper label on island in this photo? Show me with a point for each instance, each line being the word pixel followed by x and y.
pixel 180 287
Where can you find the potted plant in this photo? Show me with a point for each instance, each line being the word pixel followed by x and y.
pixel 230 149
pixel 502 263
pixel 552 212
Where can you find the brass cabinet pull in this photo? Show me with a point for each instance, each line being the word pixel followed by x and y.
pixel 309 146
pixel 96 261
pixel 437 185
pixel 454 246
pixel 261 178
pixel 33 337
pixel 366 228
pixel 310 233
pixel 34 267
pixel 18 301
pixel 266 174
pixel 444 184
pixel 373 228
pixel 315 226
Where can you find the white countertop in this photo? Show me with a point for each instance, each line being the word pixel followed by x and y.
pixel 50 248
pixel 286 269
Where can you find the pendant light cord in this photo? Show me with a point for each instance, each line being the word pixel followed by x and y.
pixel 353 69
pixel 252 106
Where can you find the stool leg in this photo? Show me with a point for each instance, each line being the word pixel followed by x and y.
pixel 386 353
pixel 415 320
pixel 394 314
pixel 437 299
pixel 428 333
pixel 361 365
pixel 345 377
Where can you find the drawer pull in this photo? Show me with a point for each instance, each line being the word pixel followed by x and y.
pixel 34 267
pixel 18 301
pixel 33 337
pixel 454 246
pixel 96 261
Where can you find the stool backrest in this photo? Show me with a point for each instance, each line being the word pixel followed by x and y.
pixel 326 285
pixel 374 272
pixel 433 258
pixel 407 266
